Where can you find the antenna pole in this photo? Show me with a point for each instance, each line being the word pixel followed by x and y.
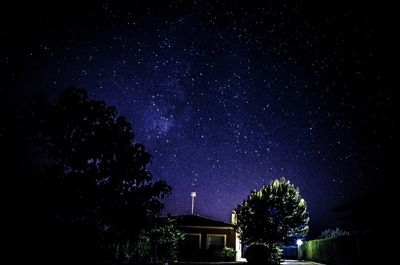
pixel 193 194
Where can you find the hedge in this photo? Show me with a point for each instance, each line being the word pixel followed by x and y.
pixel 345 250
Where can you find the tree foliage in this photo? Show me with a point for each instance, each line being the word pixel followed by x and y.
pixel 84 172
pixel 156 245
pixel 165 238
pixel 275 214
pixel 333 233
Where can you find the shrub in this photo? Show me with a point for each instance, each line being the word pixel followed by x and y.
pixel 258 254
pixel 228 254
pixel 138 251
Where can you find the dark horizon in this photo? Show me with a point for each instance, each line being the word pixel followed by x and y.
pixel 225 96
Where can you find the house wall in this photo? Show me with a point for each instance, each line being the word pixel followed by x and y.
pixel 239 250
pixel 229 232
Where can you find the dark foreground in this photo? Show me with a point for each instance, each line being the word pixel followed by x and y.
pixel 286 262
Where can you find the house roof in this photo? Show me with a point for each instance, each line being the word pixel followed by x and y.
pixel 199 220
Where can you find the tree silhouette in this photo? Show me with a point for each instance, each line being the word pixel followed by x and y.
pixel 83 183
pixel 273 215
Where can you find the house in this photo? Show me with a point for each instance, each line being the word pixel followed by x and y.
pixel 205 236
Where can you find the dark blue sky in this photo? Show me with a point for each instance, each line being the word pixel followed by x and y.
pixel 226 96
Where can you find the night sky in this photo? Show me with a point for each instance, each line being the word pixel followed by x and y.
pixel 226 95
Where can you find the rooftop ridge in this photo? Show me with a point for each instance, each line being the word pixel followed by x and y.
pixel 203 216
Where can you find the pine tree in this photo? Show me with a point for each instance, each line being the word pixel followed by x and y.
pixel 275 214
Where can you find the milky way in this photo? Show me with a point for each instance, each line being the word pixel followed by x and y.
pixel 225 96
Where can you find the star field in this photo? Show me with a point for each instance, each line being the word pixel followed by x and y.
pixel 227 95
